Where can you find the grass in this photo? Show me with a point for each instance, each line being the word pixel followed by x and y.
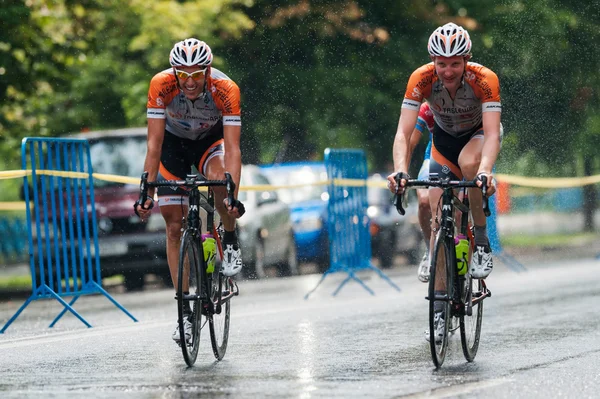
pixel 24 282
pixel 549 240
pixel 15 282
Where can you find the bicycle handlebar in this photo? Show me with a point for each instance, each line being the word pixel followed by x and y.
pixel 443 184
pixel 191 181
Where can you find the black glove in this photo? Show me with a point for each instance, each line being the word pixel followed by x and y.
pixel 240 206
pixel 135 205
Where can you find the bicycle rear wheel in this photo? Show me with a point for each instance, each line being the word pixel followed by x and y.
pixel 189 289
pixel 221 289
pixel 439 303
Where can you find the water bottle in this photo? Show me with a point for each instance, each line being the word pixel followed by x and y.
pixel 209 246
pixel 462 254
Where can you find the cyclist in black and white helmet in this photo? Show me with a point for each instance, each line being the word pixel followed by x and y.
pixel 464 98
pixel 194 119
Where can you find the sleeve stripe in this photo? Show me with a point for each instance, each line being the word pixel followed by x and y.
pixel 420 126
pixel 155 113
pixel 491 107
pixel 411 104
pixel 232 120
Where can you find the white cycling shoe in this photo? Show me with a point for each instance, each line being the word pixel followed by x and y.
pixel 481 262
pixel 232 260
pixel 424 266
pixel 439 325
pixel 187 328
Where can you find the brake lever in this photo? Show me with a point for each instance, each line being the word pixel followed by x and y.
pixel 485 204
pixel 230 186
pixel 143 189
pixel 398 197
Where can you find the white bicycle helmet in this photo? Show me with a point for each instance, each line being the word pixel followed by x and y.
pixel 448 41
pixel 190 52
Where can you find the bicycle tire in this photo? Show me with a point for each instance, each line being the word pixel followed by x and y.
pixel 189 259
pixel 219 320
pixel 470 325
pixel 442 255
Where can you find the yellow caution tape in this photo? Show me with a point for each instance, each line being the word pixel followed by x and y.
pixel 12 206
pixel 549 182
pixel 536 182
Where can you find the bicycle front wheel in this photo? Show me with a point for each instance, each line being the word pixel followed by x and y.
pixel 440 288
pixel 221 292
pixel 470 321
pixel 189 289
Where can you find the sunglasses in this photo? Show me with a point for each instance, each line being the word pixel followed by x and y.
pixel 197 75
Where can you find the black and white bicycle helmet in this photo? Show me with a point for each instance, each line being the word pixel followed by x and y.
pixel 448 41
pixel 191 52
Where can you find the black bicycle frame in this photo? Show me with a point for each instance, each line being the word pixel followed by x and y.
pixel 193 221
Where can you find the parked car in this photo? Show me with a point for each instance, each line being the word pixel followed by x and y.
pixel 308 204
pixel 391 233
pixel 265 231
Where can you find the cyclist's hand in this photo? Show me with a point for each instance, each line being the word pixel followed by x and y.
pixel 236 209
pixel 491 183
pixel 144 211
pixel 392 182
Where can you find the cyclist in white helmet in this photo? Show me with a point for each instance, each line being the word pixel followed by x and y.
pixel 194 119
pixel 465 100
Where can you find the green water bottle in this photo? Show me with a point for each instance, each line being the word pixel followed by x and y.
pixel 462 254
pixel 209 245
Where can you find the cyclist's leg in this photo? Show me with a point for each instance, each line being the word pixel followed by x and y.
pixel 212 164
pixel 175 163
pixel 469 159
pixel 424 211
pixel 424 215
pixel 214 169
pixel 173 215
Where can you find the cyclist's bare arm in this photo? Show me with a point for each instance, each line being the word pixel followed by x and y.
pixel 406 125
pixel 156 134
pixel 233 155
pixel 415 137
pixel 491 145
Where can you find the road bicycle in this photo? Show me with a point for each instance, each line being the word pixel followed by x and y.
pixel 452 292
pixel 201 287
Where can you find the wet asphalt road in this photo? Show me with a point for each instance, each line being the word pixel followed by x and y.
pixel 540 339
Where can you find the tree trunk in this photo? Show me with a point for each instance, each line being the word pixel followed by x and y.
pixel 589 198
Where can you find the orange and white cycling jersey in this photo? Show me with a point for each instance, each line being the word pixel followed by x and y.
pixel 478 93
pixel 194 119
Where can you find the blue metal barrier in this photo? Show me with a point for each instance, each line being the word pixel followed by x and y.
pixel 348 223
pixel 62 234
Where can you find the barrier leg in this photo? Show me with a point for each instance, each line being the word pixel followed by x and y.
pixel 352 276
pixel 316 286
pixel 385 277
pixel 511 262
pixel 68 307
pixel 110 298
pixel 9 322
pixel 64 311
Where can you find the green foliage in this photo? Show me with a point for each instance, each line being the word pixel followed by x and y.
pixel 313 74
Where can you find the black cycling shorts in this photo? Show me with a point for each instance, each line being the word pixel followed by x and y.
pixel 445 150
pixel 178 155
